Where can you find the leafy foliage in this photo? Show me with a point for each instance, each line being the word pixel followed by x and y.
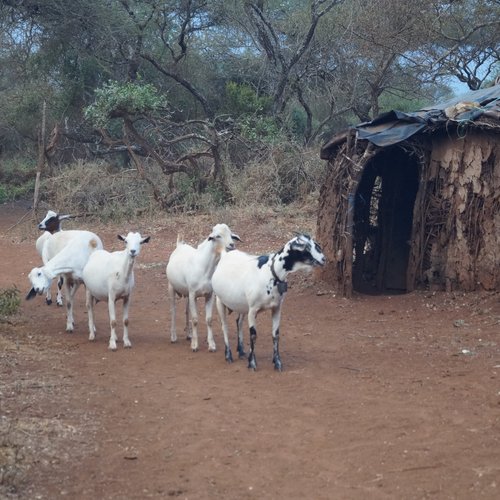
pixel 253 76
pixel 116 99
pixel 17 178
pixel 260 128
pixel 241 99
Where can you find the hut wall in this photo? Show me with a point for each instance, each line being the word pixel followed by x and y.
pixel 332 221
pixel 462 220
pixel 336 210
pixel 456 221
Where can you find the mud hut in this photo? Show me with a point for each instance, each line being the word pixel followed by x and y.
pixel 412 200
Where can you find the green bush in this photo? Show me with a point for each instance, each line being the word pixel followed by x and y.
pixel 12 193
pixel 118 99
pixel 17 178
pixel 261 128
pixel 10 301
pixel 242 100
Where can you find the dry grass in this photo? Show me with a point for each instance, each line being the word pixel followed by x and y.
pixel 98 191
pixel 286 176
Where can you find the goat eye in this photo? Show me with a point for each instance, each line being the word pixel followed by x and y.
pixel 39 273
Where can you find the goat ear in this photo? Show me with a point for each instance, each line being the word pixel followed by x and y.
pixel 210 238
pixel 145 240
pixel 31 294
pixel 236 237
pixel 121 238
pixel 67 216
pixel 298 243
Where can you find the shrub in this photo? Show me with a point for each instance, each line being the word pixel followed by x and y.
pixel 96 190
pixel 10 301
pixel 242 100
pixel 286 175
pixel 17 178
pixel 117 99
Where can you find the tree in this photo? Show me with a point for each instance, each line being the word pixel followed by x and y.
pixel 465 41
pixel 148 131
pixel 322 64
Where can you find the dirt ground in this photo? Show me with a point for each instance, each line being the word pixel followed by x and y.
pixel 380 397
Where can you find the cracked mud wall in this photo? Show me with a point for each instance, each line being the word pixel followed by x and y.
pixel 456 221
pixel 462 217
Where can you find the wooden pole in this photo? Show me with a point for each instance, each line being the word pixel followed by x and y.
pixel 348 259
pixel 41 159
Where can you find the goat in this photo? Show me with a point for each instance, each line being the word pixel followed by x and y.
pixel 189 272
pixel 109 276
pixel 249 284
pixel 50 224
pixel 75 248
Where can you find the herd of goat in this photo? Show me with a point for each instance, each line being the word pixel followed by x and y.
pixel 243 283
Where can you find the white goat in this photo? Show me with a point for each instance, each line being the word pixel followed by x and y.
pixel 74 250
pixel 248 284
pixel 109 276
pixel 189 272
pixel 50 224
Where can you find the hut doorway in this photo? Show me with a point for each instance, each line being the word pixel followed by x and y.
pixel 383 219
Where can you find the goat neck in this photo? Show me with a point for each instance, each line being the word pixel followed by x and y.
pixel 277 267
pixel 127 264
pixel 209 256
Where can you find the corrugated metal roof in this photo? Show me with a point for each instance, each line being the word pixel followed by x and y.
pixel 396 126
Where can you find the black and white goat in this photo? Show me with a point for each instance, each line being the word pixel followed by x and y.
pixel 50 224
pixel 189 273
pixel 249 284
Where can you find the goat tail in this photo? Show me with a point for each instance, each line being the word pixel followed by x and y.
pixel 180 239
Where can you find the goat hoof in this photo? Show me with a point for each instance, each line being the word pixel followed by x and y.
pixel 252 364
pixel 48 301
pixel 229 356
pixel 277 363
pixel 212 349
pixel 242 354
pixel 59 304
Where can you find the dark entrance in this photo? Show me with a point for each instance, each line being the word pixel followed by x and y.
pixel 383 218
